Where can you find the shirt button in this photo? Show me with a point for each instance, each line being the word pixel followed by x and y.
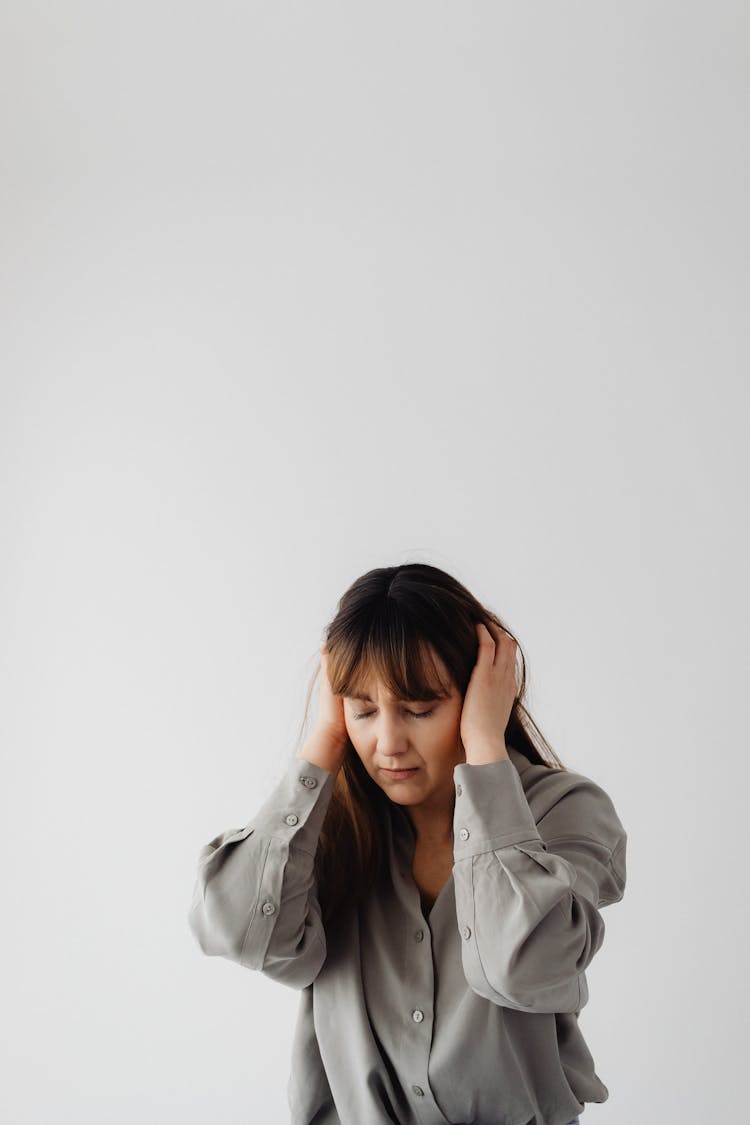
pixel 417 1015
pixel 465 932
pixel 419 935
pixel 459 790
pixel 268 908
pixel 309 782
pixel 464 833
pixel 292 818
pixel 418 1091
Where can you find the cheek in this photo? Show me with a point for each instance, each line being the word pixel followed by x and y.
pixel 355 735
pixel 450 727
pixel 352 731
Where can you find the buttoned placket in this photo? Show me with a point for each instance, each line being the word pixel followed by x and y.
pixel 418 994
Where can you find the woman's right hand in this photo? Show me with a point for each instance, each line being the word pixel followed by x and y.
pixel 328 742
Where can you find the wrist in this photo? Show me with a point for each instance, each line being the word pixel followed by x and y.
pixel 483 753
pixel 324 751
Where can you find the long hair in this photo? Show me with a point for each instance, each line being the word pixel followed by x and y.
pixel 385 623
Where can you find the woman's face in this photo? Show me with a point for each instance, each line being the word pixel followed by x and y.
pixel 394 736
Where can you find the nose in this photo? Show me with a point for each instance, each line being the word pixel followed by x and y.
pixel 391 740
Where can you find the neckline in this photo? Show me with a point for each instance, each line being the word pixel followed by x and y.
pixel 427 914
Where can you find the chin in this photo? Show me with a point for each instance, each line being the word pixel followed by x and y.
pixel 402 798
pixel 403 793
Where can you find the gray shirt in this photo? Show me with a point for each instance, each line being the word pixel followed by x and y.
pixel 467 1013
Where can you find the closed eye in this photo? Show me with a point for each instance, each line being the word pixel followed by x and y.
pixel 414 714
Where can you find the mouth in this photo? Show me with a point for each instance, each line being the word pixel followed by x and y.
pixel 399 775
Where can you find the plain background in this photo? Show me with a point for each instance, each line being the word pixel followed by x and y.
pixel 291 291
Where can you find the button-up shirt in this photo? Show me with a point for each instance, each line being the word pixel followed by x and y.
pixel 463 1013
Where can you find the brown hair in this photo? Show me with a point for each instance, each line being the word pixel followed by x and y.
pixel 386 622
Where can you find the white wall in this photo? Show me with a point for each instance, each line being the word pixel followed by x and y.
pixel 295 290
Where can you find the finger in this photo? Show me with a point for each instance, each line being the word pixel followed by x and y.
pixel 483 635
pixel 499 633
pixel 487 647
pixel 491 631
pixel 504 646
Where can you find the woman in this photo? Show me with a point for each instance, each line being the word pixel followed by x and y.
pixel 427 879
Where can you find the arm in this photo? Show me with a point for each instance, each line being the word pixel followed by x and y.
pixel 528 895
pixel 254 900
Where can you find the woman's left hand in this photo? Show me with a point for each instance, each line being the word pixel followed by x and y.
pixel 489 696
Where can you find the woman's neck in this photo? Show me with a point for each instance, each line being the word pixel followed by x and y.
pixel 432 827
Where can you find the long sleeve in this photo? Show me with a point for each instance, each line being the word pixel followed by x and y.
pixel 254 900
pixel 529 891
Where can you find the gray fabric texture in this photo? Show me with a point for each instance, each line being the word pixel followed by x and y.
pixel 466 1013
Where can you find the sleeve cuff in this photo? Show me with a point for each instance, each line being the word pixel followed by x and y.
pixel 491 810
pixel 296 808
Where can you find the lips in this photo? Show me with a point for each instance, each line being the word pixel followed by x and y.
pixel 398 775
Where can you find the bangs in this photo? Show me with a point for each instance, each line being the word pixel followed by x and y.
pixel 405 666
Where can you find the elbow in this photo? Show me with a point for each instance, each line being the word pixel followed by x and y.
pixel 255 945
pixel 214 930
pixel 197 925
pixel 526 983
pixel 298 969
pixel 563 996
